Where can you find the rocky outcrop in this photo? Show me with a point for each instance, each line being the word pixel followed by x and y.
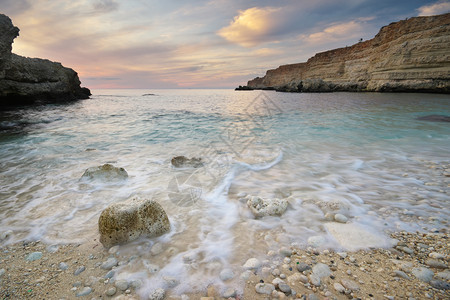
pixel 32 80
pixel 408 56
pixel 261 207
pixel 124 222
pixel 106 172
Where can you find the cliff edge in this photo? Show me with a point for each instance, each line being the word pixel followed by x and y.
pixel 32 80
pixel 407 56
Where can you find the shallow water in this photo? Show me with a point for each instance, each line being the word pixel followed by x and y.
pixel 362 155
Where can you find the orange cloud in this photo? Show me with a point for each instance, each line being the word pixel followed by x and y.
pixel 250 27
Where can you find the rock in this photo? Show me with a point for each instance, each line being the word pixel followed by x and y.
pixel 157 294
pixel 423 274
pixel 316 241
pixel 338 287
pixel 375 65
pixel 113 250
pixel 321 270
pixel 284 288
pixel 252 264
pixel 121 284
pixel 405 249
pixel 129 220
pixel 340 218
pixel 137 283
pixel 34 256
pixel 440 285
pixel 106 172
pixel 342 255
pixel 109 263
pixel 245 275
pixel 2 272
pixel 264 288
pixel 314 279
pixel 8 233
pixel 109 275
pixel 444 275
pixel 226 274
pixel 170 281
pixel 284 251
pixel 313 297
pixel 301 267
pixel 277 281
pixel 111 291
pixel 229 292
pixel 350 284
pixel 261 207
pixel 436 255
pixel 297 277
pixel 63 266
pixel 435 264
pixel 84 291
pixel 79 270
pixel 26 80
pixel 184 162
pixel 401 274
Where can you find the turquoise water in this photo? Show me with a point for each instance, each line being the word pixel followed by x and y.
pixel 362 155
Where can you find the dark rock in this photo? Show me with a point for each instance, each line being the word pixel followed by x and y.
pixel 244 88
pixel 32 80
pixel 184 162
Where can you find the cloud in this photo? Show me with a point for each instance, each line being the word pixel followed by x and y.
pixel 440 7
pixel 251 27
pixel 104 6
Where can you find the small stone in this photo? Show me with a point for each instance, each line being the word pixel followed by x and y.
pixel 389 297
pixel 301 267
pixel 444 275
pixel 113 250
pixel 136 284
pixel 352 259
pixel 34 256
pixel 109 275
pixel 423 274
pixel 121 285
pixel 264 288
pixel 435 264
pixel 342 254
pixel 277 281
pixel 284 288
pixel 157 294
pixel 340 218
pixel 52 248
pixel 79 270
pixel 63 266
pixel 321 270
pixel 2 272
pixel 296 277
pixel 276 272
pixel 406 249
pixel 440 285
pixel 436 255
pixel 313 297
pixel 338 287
pixel 111 291
pixel 401 274
pixel 314 279
pixel 170 281
pixel 283 276
pixel 350 284
pixel 84 291
pixel 229 292
pixel 284 251
pixel 226 274
pixel 252 264
pixel 156 249
pixel 109 263
pixel 245 275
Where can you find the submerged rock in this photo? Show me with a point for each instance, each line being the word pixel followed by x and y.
pixel 261 207
pixel 127 221
pixel 184 162
pixel 105 172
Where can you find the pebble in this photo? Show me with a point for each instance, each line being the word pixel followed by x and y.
pixel 401 274
pixel 264 288
pixel 34 256
pixel 342 254
pixel 436 255
pixel 226 274
pixel 405 249
pixel 340 218
pixel 435 264
pixel 284 288
pixel 339 287
pixel 283 276
pixel 229 292
pixel 440 285
pixel 314 279
pixel 2 271
pixel 157 294
pixel 170 281
pixel 63 266
pixel 276 272
pixel 294 278
pixel 301 267
pixel 79 270
pixel 52 248
pixel 252 264
pixel 109 275
pixel 245 275
pixel 350 284
pixel 321 270
pixel 423 274
pixel 444 275
pixel 313 297
pixel 121 285
pixel 113 249
pixel 84 291
pixel 284 251
pixel 136 284
pixel 109 263
pixel 111 291
pixel 389 297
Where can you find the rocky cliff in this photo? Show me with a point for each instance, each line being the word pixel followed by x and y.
pixel 32 80
pixel 407 56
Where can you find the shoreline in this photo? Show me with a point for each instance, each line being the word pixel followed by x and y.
pixel 87 270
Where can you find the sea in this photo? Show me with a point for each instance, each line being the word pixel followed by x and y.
pixel 366 156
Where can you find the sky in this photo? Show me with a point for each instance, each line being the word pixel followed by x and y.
pixel 195 44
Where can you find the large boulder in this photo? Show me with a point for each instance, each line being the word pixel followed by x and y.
pixel 106 172
pixel 261 207
pixel 26 80
pixel 126 221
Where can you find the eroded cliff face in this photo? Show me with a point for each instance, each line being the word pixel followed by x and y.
pixel 407 56
pixel 32 80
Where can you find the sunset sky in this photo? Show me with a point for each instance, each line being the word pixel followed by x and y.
pixel 198 43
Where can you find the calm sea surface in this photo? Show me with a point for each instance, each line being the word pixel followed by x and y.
pixel 365 156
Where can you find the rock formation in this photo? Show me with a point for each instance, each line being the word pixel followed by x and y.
pixel 261 207
pixel 123 222
pixel 32 80
pixel 106 172
pixel 407 56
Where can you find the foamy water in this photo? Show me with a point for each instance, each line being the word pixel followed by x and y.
pixel 362 155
